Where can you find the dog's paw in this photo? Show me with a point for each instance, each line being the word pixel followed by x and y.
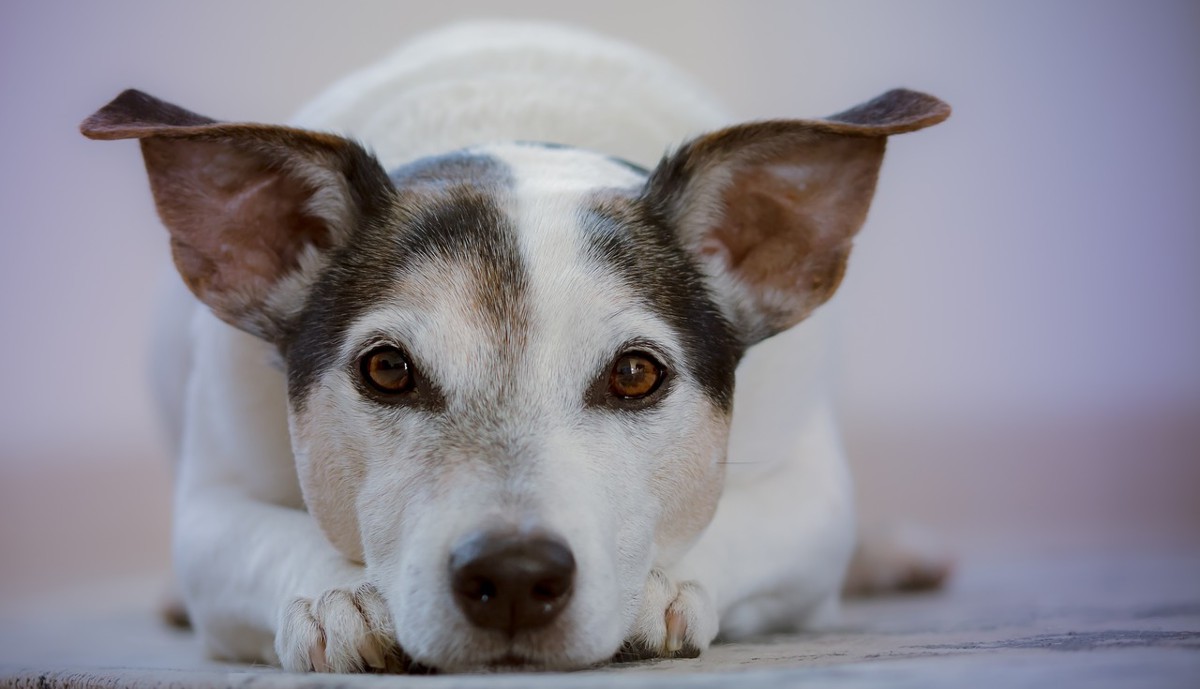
pixel 898 558
pixel 342 630
pixel 675 621
pixel 172 608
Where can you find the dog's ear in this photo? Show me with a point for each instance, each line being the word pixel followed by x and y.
pixel 251 208
pixel 770 208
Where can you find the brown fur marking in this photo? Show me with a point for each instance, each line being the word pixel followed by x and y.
pixel 236 198
pixel 780 201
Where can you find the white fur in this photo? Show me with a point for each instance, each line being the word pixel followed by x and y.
pixel 261 579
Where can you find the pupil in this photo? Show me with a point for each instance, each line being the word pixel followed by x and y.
pixel 632 375
pixel 391 370
pixel 633 370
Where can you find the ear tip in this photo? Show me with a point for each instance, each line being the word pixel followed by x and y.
pixel 895 112
pixel 135 113
pixel 100 124
pixel 94 127
pixel 935 109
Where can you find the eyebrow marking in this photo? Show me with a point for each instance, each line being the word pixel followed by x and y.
pixel 447 206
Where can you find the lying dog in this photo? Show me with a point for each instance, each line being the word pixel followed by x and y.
pixel 466 400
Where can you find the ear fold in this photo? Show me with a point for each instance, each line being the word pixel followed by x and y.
pixel 250 207
pixel 770 209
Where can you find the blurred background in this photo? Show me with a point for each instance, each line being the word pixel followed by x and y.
pixel 1020 325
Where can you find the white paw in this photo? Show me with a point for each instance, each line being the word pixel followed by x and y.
pixel 343 630
pixel 675 621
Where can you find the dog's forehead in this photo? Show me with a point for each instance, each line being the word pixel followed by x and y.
pixel 511 257
pixel 505 289
pixel 545 168
pixel 499 168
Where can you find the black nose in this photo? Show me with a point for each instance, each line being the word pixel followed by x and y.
pixel 511 582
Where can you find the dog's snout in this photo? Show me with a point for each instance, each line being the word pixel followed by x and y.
pixel 511 582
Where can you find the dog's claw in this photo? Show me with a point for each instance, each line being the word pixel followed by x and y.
pixel 373 655
pixel 675 621
pixel 316 656
pixel 676 628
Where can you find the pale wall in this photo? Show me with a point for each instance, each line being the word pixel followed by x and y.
pixel 1032 260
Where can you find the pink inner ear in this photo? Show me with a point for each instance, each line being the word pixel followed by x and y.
pixel 237 225
pixel 787 225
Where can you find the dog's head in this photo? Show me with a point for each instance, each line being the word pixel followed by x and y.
pixel 510 369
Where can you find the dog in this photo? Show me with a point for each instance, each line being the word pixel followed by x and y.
pixel 465 401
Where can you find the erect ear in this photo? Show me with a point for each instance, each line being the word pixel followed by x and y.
pixel 251 208
pixel 770 208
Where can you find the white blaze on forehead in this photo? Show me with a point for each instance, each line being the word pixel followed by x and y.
pixel 567 169
pixel 580 310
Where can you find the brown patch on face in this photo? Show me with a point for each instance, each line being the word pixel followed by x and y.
pixel 443 230
pixel 690 490
pixel 331 476
pixel 458 216
pixel 499 285
pixel 626 238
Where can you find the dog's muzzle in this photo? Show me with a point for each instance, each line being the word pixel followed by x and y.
pixel 511 582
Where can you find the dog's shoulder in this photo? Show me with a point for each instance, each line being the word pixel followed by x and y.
pixel 485 82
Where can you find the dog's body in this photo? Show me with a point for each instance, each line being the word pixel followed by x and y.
pixel 317 512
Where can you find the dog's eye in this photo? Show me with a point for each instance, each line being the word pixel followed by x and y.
pixel 635 375
pixel 387 371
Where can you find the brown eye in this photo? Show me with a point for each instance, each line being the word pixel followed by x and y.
pixel 387 371
pixel 635 375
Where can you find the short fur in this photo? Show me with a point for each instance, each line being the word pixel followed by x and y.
pixel 523 239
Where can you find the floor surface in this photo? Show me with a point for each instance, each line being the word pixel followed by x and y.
pixel 1098 621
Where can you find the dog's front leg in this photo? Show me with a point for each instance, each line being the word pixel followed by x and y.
pixel 263 584
pixel 260 580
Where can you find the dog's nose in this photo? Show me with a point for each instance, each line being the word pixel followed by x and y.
pixel 511 582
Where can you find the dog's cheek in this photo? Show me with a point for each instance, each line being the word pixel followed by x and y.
pixel 689 478
pixel 330 463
